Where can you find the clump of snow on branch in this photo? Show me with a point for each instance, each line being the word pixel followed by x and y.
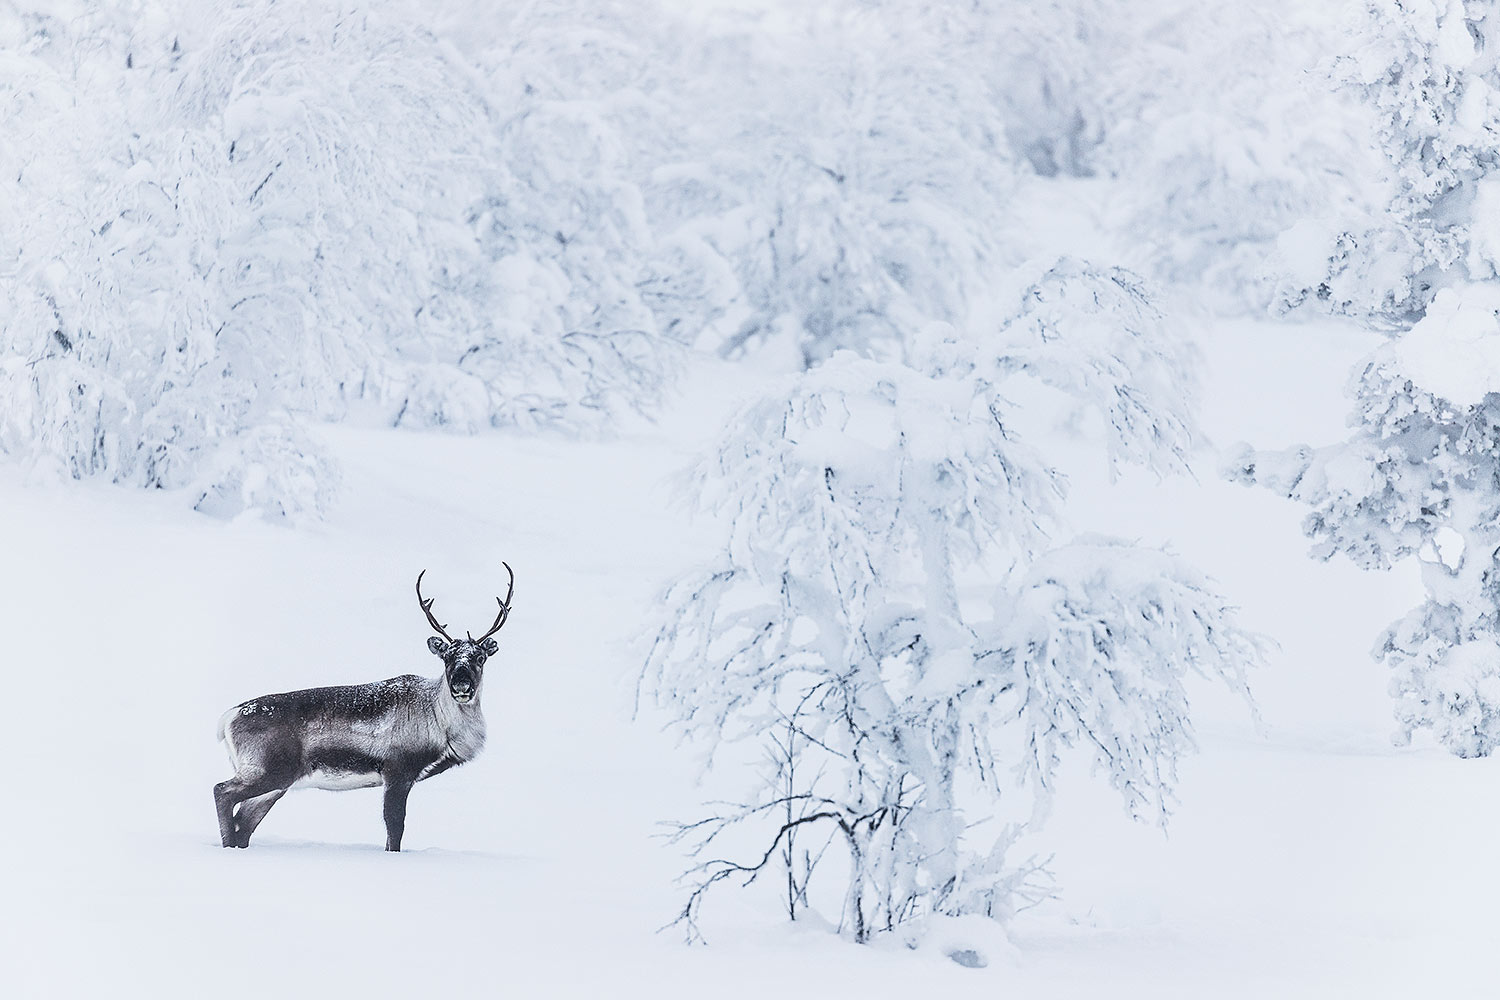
pixel 891 616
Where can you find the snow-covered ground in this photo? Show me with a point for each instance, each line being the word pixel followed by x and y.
pixel 1308 857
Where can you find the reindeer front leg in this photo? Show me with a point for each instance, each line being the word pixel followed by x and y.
pixel 397 787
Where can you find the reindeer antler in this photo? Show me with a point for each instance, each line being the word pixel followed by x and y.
pixel 504 605
pixel 427 609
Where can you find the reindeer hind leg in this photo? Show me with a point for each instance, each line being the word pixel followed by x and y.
pixel 227 795
pixel 265 767
pixel 239 791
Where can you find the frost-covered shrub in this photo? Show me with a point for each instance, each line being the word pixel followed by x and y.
pixel 860 197
pixel 891 617
pixel 1038 63
pixel 221 221
pixel 1420 476
pixel 1222 133
pixel 562 322
pixel 274 467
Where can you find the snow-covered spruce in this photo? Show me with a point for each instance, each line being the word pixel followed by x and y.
pixel 892 622
pixel 391 734
pixel 1419 476
pixel 1426 69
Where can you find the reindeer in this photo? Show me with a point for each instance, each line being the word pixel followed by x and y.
pixel 394 733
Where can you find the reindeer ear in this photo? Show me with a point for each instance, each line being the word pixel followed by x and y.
pixel 489 646
pixel 436 645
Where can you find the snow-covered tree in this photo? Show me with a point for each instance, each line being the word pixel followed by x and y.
pixel 1222 134
pixel 892 618
pixel 562 324
pixel 1419 476
pixel 225 222
pixel 1428 69
pixel 860 197
pixel 1206 123
pixel 228 222
pixel 1036 66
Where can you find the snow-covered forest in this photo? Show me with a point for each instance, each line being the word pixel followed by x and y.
pixel 865 393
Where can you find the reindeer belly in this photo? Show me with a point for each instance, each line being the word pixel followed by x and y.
pixel 338 768
pixel 338 781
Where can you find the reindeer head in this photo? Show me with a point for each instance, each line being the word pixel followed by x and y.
pixel 463 659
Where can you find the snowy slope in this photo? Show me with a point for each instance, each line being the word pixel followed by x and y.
pixel 1309 858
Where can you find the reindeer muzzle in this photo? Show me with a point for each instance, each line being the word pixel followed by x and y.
pixel 462 688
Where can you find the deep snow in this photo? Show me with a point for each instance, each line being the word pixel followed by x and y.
pixel 1308 857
